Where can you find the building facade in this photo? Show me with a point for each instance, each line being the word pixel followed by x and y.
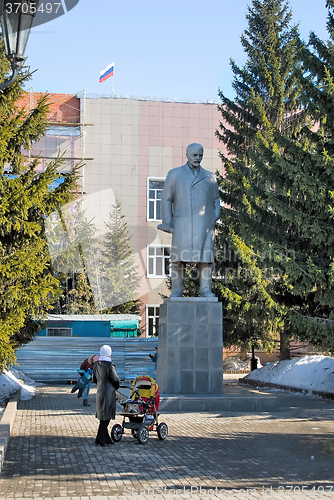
pixel 134 144
pixel 128 146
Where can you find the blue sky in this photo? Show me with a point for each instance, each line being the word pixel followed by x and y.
pixel 175 49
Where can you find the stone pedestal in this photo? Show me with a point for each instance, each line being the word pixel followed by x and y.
pixel 190 353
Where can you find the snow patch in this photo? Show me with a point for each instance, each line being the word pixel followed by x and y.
pixel 309 373
pixel 234 363
pixel 13 380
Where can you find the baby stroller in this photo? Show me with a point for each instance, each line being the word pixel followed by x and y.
pixel 140 411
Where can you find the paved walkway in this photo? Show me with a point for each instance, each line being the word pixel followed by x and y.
pixel 288 453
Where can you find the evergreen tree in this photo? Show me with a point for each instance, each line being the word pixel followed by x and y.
pixel 77 297
pixel 27 284
pixel 249 284
pixel 301 205
pixel 72 249
pixel 118 278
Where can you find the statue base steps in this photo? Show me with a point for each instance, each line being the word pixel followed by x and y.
pixel 171 403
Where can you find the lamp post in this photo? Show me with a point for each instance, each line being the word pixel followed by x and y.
pixel 16 20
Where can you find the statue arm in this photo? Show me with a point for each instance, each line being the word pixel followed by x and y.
pixel 167 206
pixel 216 201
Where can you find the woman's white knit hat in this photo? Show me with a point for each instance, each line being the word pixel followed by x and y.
pixel 105 353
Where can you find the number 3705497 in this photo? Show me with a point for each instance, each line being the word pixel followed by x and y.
pixel 32 7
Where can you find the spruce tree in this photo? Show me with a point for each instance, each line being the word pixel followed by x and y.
pixel 72 246
pixel 118 278
pixel 27 284
pixel 248 277
pixel 301 167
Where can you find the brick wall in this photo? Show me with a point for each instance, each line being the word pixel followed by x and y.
pixel 63 107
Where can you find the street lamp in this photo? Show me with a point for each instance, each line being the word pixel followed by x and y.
pixel 16 19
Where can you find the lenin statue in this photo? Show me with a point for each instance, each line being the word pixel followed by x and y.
pixel 190 207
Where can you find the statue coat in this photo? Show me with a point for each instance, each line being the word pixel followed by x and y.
pixel 191 205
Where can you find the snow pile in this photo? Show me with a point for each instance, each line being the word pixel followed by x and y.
pixel 234 363
pixel 309 373
pixel 13 380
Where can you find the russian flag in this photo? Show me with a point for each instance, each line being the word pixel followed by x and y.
pixel 106 73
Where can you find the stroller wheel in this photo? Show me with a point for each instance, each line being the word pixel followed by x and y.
pixel 142 435
pixel 116 433
pixel 162 431
pixel 134 433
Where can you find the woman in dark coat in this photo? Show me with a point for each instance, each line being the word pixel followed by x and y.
pixel 107 381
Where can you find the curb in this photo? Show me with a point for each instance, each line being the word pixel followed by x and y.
pixel 184 403
pixel 235 372
pixel 6 424
pixel 259 383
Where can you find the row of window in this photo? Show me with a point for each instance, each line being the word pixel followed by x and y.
pixel 158 257
pixel 158 260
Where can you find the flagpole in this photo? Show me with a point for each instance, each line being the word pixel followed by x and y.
pixel 113 77
pixel 83 141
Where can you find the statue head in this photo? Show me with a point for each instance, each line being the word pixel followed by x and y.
pixel 194 154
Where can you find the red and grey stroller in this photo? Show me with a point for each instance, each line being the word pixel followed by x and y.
pixel 140 411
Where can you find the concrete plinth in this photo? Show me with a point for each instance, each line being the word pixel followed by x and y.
pixel 217 403
pixel 190 359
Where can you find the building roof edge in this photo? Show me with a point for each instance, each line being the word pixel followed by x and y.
pixel 143 98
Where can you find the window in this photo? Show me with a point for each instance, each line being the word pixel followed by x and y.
pixel 152 321
pixel 158 261
pixel 154 190
pixel 59 332
pixel 58 130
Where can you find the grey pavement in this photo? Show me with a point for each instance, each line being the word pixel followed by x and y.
pixel 288 453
